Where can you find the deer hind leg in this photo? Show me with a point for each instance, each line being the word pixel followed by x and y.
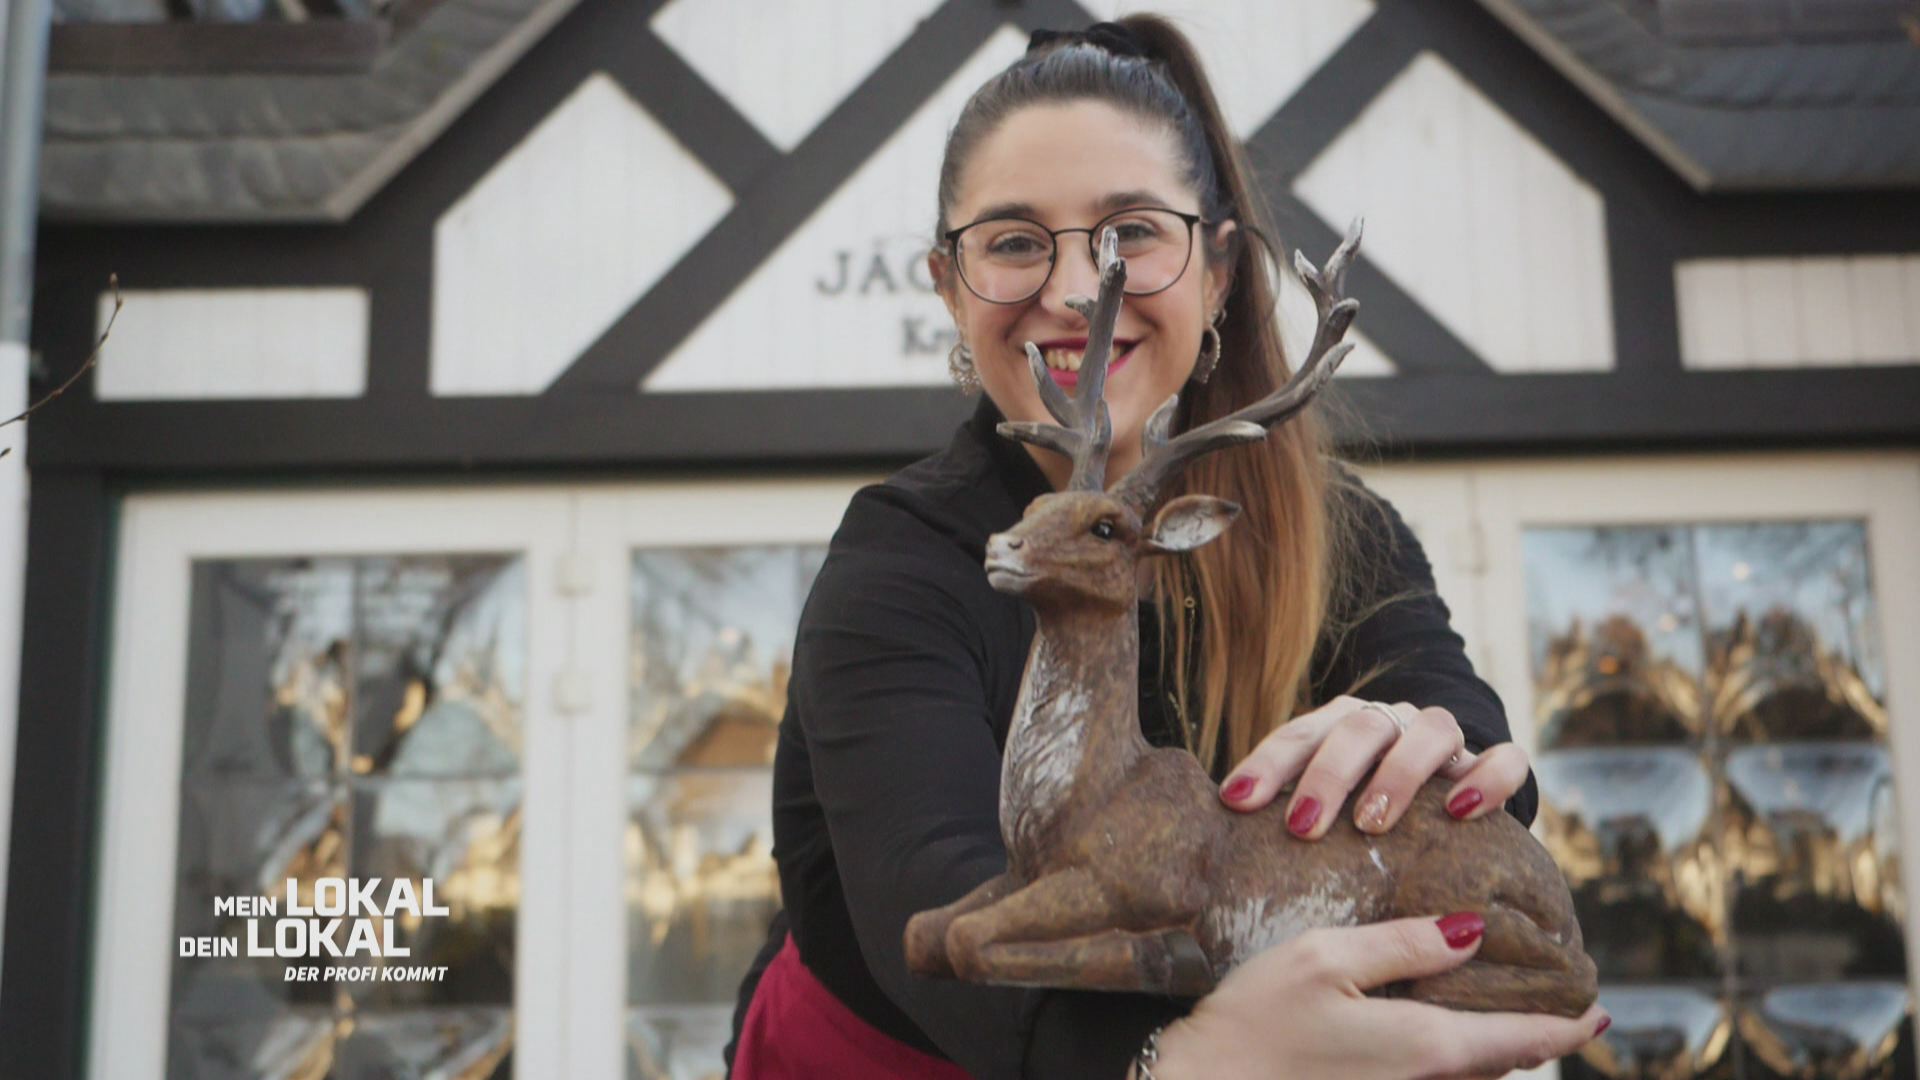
pixel 1056 932
pixel 926 937
pixel 1166 962
pixel 1531 959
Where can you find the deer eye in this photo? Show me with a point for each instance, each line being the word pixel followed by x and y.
pixel 1103 529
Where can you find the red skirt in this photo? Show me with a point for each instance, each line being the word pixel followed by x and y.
pixel 797 1030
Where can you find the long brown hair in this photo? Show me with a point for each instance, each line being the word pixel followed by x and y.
pixel 1240 617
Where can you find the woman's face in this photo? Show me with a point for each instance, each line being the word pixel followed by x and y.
pixel 1067 166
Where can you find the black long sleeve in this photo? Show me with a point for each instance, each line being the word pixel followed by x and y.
pixel 886 782
pixel 1408 635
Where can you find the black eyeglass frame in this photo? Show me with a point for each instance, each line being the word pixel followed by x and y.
pixel 952 237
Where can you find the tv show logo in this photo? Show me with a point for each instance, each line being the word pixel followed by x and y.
pixel 344 921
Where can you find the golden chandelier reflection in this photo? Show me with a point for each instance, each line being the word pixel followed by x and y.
pixel 1605 686
pixel 1774 678
pixel 1716 784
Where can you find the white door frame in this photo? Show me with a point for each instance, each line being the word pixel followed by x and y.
pixel 611 522
pixel 160 537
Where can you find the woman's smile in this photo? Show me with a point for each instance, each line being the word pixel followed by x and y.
pixel 1065 355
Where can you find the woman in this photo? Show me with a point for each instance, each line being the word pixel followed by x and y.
pixel 907 662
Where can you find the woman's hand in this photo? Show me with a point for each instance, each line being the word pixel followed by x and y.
pixel 1299 1010
pixel 1332 748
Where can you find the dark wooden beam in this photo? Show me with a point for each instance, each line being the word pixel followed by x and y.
pixel 1604 411
pixel 47 973
pixel 699 116
pixel 1449 414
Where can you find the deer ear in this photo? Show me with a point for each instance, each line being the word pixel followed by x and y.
pixel 1190 521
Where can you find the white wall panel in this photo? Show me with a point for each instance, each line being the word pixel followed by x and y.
pixel 1257 52
pixel 1773 316
pixel 185 344
pixel 1713 329
pixel 846 300
pixel 785 66
pixel 1822 311
pixel 560 238
pixel 1476 220
pixel 1824 304
pixel 1886 290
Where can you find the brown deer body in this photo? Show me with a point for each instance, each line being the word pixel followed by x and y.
pixel 1125 870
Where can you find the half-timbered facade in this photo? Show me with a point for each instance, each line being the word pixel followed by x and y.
pixel 486 379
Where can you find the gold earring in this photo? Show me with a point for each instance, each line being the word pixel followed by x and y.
pixel 960 366
pixel 1209 349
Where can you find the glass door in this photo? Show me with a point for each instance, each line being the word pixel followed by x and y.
pixel 335 821
pixel 690 619
pixel 1704 658
pixel 547 715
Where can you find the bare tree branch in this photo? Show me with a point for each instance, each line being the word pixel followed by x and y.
pixel 113 282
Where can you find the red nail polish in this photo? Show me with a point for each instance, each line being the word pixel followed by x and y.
pixel 1238 788
pixel 1462 804
pixel 1462 928
pixel 1605 1023
pixel 1305 813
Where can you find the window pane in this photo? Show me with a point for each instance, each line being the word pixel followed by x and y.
pixel 1662 1032
pixel 1810 836
pixel 1793 636
pixel 712 645
pixel 351 718
pixel 1852 1030
pixel 1716 784
pixel 1615 649
pixel 1630 828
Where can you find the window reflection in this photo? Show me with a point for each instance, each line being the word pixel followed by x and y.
pixel 667 1043
pixel 1793 641
pixel 711 649
pixel 1663 1033
pixel 1716 785
pixel 1818 896
pixel 1849 1030
pixel 352 717
pixel 1630 830
pixel 702 884
pixel 1615 648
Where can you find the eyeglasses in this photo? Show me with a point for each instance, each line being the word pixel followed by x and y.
pixel 1008 260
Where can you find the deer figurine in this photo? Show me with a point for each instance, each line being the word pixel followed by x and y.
pixel 1125 871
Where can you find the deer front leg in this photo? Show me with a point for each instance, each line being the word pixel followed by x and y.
pixel 927 932
pixel 1053 933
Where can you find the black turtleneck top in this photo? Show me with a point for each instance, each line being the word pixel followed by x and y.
pixel 886 781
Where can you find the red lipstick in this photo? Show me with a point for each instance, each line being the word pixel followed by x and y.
pixel 1122 350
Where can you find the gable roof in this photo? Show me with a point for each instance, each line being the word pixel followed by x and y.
pixel 1788 111
pixel 292 147
pixel 1781 111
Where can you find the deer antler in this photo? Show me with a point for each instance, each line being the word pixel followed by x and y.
pixel 1161 458
pixel 1087 433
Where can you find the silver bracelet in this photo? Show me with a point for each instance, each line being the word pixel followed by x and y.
pixel 1148 1056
